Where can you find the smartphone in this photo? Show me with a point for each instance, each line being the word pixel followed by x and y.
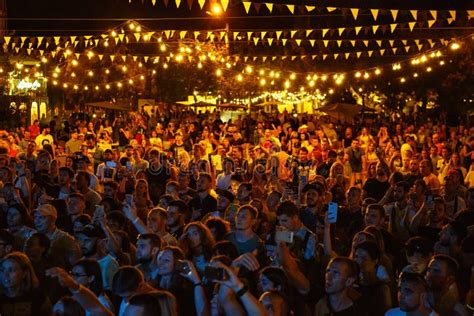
pixel 129 199
pixel 110 164
pixel 212 273
pixel 332 212
pixel 129 165
pixel 183 267
pixel 283 235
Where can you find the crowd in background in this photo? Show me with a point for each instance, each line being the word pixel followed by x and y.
pixel 180 213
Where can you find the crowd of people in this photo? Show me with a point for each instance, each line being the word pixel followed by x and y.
pixel 179 213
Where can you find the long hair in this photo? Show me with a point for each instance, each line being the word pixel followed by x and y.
pixel 207 239
pixel 30 279
pixel 146 194
pixel 92 268
pixel 156 303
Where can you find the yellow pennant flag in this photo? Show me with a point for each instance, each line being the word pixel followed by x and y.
pixel 450 20
pixel 293 33
pixel 264 58
pixel 407 48
pixel 291 8
pixel 23 39
pixel 262 34
pixel 284 41
pixel 453 14
pixel 246 6
pixel 335 56
pixel 121 36
pixel 341 30
pixel 414 14
pixel 432 44
pixel 269 6
pixel 330 9
pixel 153 2
pixel 112 57
pixel 145 59
pixel 325 32
pixel 116 41
pixel 167 34
pixel 225 4
pixel 353 43
pixel 357 29
pixel 137 36
pixel 375 13
pixel 312 42
pixel 370 52
pixel 382 51
pixel 379 42
pixel 178 2
pixel 293 57
pixel 73 39
pixel 255 58
pixel 393 27
pixel 310 8
pixel 182 34
pixel 211 37
pixel 411 25
pixel 246 58
pixel 278 34
pixel 222 34
pixel 394 14
pixel 56 40
pixel 196 34
pixel 358 54
pixel 391 42
pixel 339 43
pixel 274 58
pixel 298 42
pixel 375 28
pixel 355 13
pixel 270 41
pixel 434 14
pixel 394 50
pixel 100 57
pixel 404 42
pixel 40 40
pixel 255 40
pixel 313 57
pixel 325 56
pixel 31 45
pixel 249 35
pixel 202 2
pixel 420 46
pixel 326 43
pixel 347 55
pixel 96 41
pixel 7 39
pixel 366 43
pixel 41 52
pixel 430 23
pixel 28 51
pixel 77 55
pixel 308 32
pixel 124 58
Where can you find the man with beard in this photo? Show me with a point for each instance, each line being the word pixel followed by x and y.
pixel 450 239
pixel 414 172
pixel 91 197
pixel 399 211
pixel 103 172
pixel 314 193
pixel 341 274
pixel 426 170
pixel 157 175
pixel 441 278
pixel 244 193
pixel 203 202
pixel 82 164
pixel 89 239
pixel 377 187
pixel 178 215
pixel 148 246
pixel 413 296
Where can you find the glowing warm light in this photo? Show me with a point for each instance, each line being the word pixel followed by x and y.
pixel 140 65
pixel 397 67
pixel 162 47
pixel 90 73
pixel 106 43
pixel 378 71
pixel 44 60
pixel 292 76
pixel 218 72
pixel 73 74
pixel 86 88
pixel 263 82
pixel 130 81
pixel 455 46
pixel 55 82
pixel 139 28
pixel 311 83
pixel 366 75
pixel 272 74
pixel 358 75
pixel 90 54
pixel 119 85
pixel 438 54
pixel 216 9
pixel 65 85
pixel 68 52
pixel 97 88
pixel 331 91
pixel 402 80
pixel 114 33
pixel 55 75
pixel 287 84
pixel 415 75
pixel 428 69
pixel 261 72
pixel 154 71
pixel 107 71
pixel 249 69
pixel 179 58
pixel 423 58
pixel 338 80
pixel 124 68
pixel 107 86
pixel 142 77
pixel 131 26
pixel 360 89
pixel 240 77
pixel 19 66
pixel 441 62
pixel 199 65
pixel 324 77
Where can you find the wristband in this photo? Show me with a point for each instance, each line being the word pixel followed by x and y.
pixel 242 291
pixel 197 284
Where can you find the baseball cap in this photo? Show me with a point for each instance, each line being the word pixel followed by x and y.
pixel 420 245
pixel 46 210
pixel 91 231
pixel 226 193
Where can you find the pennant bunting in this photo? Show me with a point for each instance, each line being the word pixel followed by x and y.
pixel 178 2
pixel 341 30
pixel 394 14
pixel 414 14
pixel 430 23
pixel 355 13
pixel 411 25
pixel 310 8
pixel 393 27
pixel 434 14
pixel 375 13
pixel 225 4
pixel 331 9
pixel 269 6
pixel 203 2
pixel 291 8
pixel 375 28
pixel 325 32
pixel 357 29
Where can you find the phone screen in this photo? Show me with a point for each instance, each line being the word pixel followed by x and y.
pixel 110 164
pixel 283 235
pixel 212 273
pixel 332 212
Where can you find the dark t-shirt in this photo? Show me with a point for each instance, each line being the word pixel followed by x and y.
pixel 204 206
pixel 157 182
pixel 35 303
pixel 375 189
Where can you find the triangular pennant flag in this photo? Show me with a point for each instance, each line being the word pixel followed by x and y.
pixel 137 36
pixel 366 43
pixel 430 41
pixel 225 4
pixel 325 32
pixel 353 43
pixel 278 34
pixel 112 57
pixel 411 25
pixel 394 14
pixel 182 34
pixel 313 57
pixel 77 55
pixel 417 41
pixel 23 38
pixel 370 52
pixel 284 41
pixel 308 32
pixel 420 46
pixel 202 2
pixel 246 58
pixel 255 40
pixel 73 39
pixel 28 50
pixel 246 6
pixel 269 6
pixel 355 13
pixel 7 39
pixel 312 42
pixel 414 14
pixel 264 58
pixel 358 54
pixel 212 37
pixel 262 34
pixel 153 2
pixel 326 43
pixel 121 36
pixel 40 40
pixel 392 27
pixel 145 59
pixel 310 8
pixel 293 57
pixel 190 4
pixel 335 56
pixel 430 23
pixel 407 48
pixel 357 29
pixel 101 56
pixel 116 41
pixel 434 14
pixel 30 44
pixel 196 34
pixel 270 41
pixel 249 35
pixel 379 42
pixel 404 42
pixel 293 33
pixel 167 34
pixel 222 34
pixel 56 40
pixel 298 42
pixel 375 28
pixel 453 14
pixel 124 58
pixel 87 37
pixel 291 8
pixel 17 49
pixel 450 20
pixel 330 9
pixel 382 51
pixel 178 2
pixel 96 41
pixel 347 55
pixel 339 43
pixel 126 39
pixel 375 13
pixel 394 50
pixel 341 30
pixel 391 42
pixel 325 56
pixel 274 58
pixel 41 52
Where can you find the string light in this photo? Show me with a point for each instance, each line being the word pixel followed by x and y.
pixel 218 72
pixel 107 86
pixel 293 76
pixel 240 77
pixel 366 75
pixel 124 68
pixel 428 69
pixel 287 84
pixel 75 63
pixel 249 69
pixel 402 80
pixel 263 82
pixel 358 74
pixel 44 60
pixel 441 62
pixel 91 73
pixel 455 46
pixel 378 71
pixel 163 47
pixel 415 75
